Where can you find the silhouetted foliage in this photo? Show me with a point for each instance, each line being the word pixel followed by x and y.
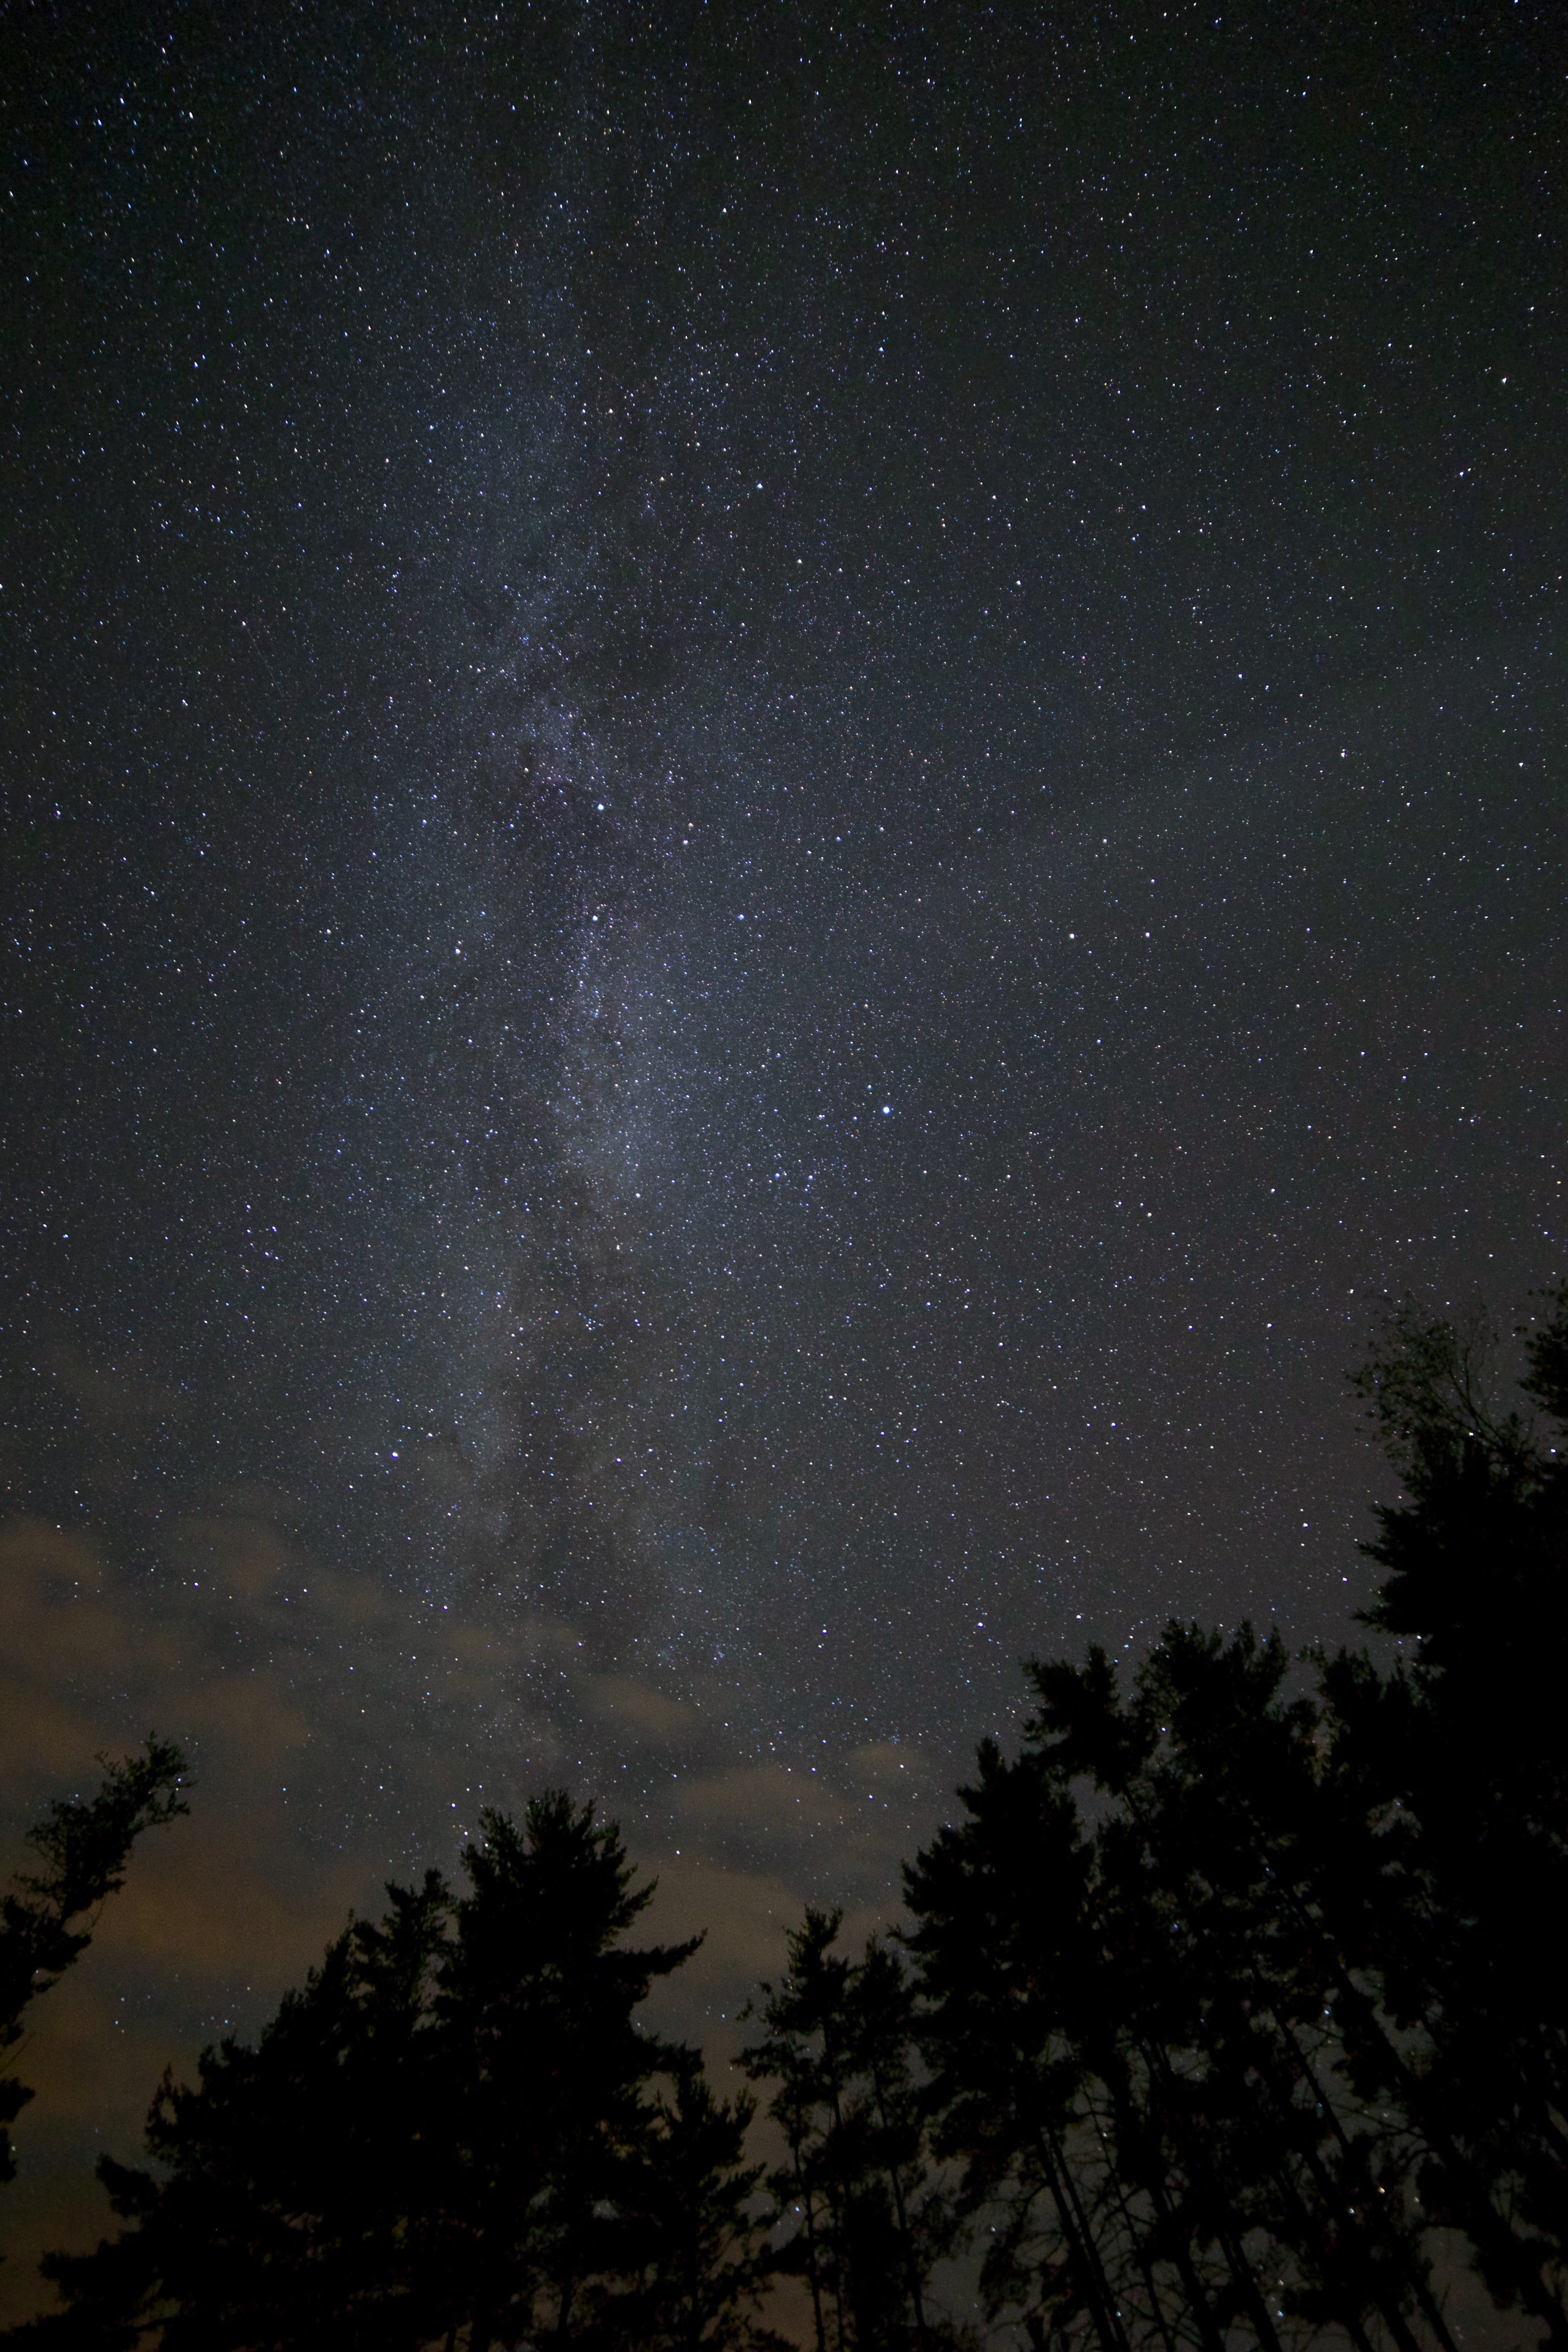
pixel 1230 2007
pixel 83 1845
pixel 1464 1758
pixel 869 2223
pixel 448 2136
pixel 696 2275
pixel 1234 1991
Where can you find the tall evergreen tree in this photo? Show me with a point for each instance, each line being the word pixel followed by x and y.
pixel 1219 1812
pixel 1233 1993
pixel 918 2224
pixel 694 2218
pixel 1003 1952
pixel 803 2052
pixel 542 2097
pixel 83 1845
pixel 870 2221
pixel 1223 1997
pixel 449 2135
pixel 1464 1758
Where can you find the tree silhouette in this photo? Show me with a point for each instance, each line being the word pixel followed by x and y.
pixel 542 2093
pixel 83 1845
pixel 448 2135
pixel 1234 1991
pixel 1225 1995
pixel 698 2274
pixel 1001 1950
pixel 870 2221
pixel 1465 1757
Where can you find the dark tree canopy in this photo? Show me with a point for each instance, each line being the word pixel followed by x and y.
pixel 453 2131
pixel 1228 2014
pixel 864 2223
pixel 83 1845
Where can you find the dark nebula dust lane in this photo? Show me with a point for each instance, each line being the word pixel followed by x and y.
pixel 784 803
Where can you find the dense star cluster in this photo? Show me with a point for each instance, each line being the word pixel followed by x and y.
pixel 784 807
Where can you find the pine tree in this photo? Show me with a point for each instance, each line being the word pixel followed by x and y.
pixel 449 2134
pixel 543 2098
pixel 1003 1951
pixel 83 1845
pixel 803 2052
pixel 290 2170
pixel 1234 1994
pixel 694 2219
pixel 1137 2028
pixel 870 2221
pixel 1234 1825
pixel 1464 1758
pixel 917 2228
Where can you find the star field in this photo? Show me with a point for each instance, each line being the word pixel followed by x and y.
pixel 784 805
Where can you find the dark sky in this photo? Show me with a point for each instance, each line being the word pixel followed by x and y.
pixel 783 802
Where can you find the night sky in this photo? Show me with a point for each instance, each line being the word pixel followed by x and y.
pixel 784 806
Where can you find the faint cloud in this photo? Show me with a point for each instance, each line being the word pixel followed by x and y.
pixel 246 1557
pixel 888 1763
